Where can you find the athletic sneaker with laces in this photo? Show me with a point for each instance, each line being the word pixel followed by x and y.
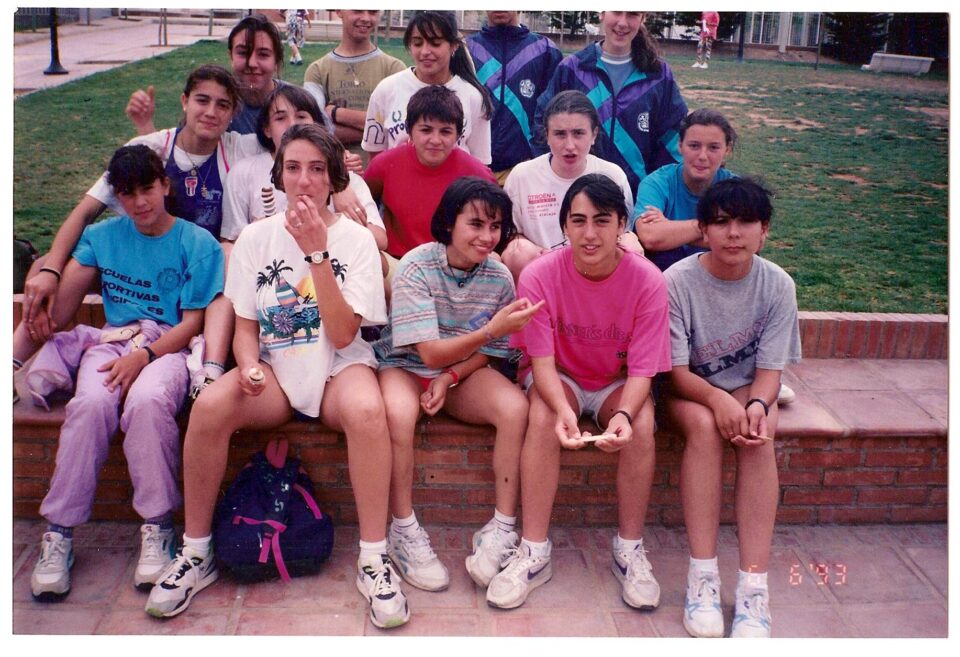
pixel 179 582
pixel 415 559
pixel 377 582
pixel 490 547
pixel 523 572
pixel 158 547
pixel 50 581
pixel 786 395
pixel 751 615
pixel 640 587
pixel 702 615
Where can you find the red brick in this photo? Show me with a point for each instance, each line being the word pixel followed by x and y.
pixel 440 475
pixel 942 460
pixel 583 496
pixel 919 514
pixel 809 335
pixel 858 477
pixel 586 456
pixel 891 495
pixel 858 339
pixel 479 496
pixel 606 477
pixel 828 333
pixel 844 340
pixel 801 478
pixel 453 516
pixel 113 492
pixel 324 454
pixel 899 458
pixel 871 347
pixel 904 330
pixel 929 477
pixel 888 339
pixel 939 496
pixel 450 457
pixel 872 443
pixel 565 515
pixel 604 515
pixel 925 442
pixel 937 341
pixel 29 452
pixel 672 517
pixel 795 515
pixel 438 496
pixel 918 339
pixel 572 476
pixel 25 508
pixel 824 459
pixel 854 515
pixel 814 496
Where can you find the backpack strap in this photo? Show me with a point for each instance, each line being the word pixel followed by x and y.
pixel 276 452
pixel 308 498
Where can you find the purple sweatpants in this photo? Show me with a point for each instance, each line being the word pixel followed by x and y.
pixel 148 420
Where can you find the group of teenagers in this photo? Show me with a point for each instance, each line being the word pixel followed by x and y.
pixel 496 274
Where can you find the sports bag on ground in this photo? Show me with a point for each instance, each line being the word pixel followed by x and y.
pixel 269 524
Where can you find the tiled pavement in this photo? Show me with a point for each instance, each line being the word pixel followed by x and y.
pixel 874 581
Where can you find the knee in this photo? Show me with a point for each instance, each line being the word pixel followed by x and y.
pixel 367 410
pixel 512 409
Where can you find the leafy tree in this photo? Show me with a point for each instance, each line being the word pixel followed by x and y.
pixel 854 36
pixel 923 35
pixel 574 21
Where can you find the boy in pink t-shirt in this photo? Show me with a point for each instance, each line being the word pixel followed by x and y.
pixel 601 337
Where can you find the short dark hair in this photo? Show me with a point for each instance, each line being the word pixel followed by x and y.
pixel 435 102
pixel 329 146
pixel 704 116
pixel 746 199
pixel 605 195
pixel 214 73
pixel 252 24
pixel 132 167
pixel 298 97
pixel 467 190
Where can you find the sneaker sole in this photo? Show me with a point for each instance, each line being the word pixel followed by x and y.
pixel 514 604
pixel 701 635
pixel 50 596
pixel 389 624
pixel 204 583
pixel 647 606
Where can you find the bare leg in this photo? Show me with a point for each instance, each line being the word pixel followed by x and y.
pixel 217 414
pixel 519 253
pixel 401 393
pixel 352 404
pixel 487 397
pixel 540 466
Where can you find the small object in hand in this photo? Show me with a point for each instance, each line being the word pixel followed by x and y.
pixel 757 436
pixel 599 436
pixel 255 374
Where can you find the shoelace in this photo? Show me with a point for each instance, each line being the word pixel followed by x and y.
pixel 707 588
pixel 638 566
pixel 53 553
pixel 177 570
pixel 755 606
pixel 382 580
pixel 418 546
pixel 152 544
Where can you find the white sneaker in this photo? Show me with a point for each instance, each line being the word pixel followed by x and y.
pixel 702 615
pixel 490 548
pixel 523 572
pixel 377 582
pixel 416 560
pixel 50 581
pixel 158 547
pixel 182 579
pixel 696 65
pixel 751 615
pixel 640 587
pixel 704 65
pixel 786 395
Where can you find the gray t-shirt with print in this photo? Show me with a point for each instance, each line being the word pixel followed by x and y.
pixel 725 330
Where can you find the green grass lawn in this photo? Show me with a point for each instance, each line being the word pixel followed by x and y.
pixel 858 162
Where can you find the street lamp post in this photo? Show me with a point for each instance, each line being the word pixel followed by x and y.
pixel 55 68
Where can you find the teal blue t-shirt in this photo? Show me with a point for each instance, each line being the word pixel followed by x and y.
pixel 143 277
pixel 665 190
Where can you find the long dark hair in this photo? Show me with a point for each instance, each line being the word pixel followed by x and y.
pixel 443 25
pixel 466 190
pixel 644 51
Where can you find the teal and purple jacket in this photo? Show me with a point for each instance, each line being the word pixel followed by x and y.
pixel 638 126
pixel 515 65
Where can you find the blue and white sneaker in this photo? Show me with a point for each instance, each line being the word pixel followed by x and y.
pixel 158 547
pixel 415 559
pixel 378 583
pixel 522 573
pixel 182 579
pixel 490 548
pixel 640 588
pixel 702 615
pixel 50 581
pixel 751 615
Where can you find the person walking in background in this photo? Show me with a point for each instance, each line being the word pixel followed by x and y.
pixel 295 19
pixel 709 22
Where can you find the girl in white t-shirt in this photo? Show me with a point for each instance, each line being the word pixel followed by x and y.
pixel 301 282
pixel 440 58
pixel 538 186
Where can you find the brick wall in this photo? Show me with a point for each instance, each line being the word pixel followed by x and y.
pixel 822 480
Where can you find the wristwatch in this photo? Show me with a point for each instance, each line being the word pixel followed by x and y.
pixel 317 257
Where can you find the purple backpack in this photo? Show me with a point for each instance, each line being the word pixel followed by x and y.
pixel 269 523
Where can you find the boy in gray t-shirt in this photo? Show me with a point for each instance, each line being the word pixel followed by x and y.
pixel 733 328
